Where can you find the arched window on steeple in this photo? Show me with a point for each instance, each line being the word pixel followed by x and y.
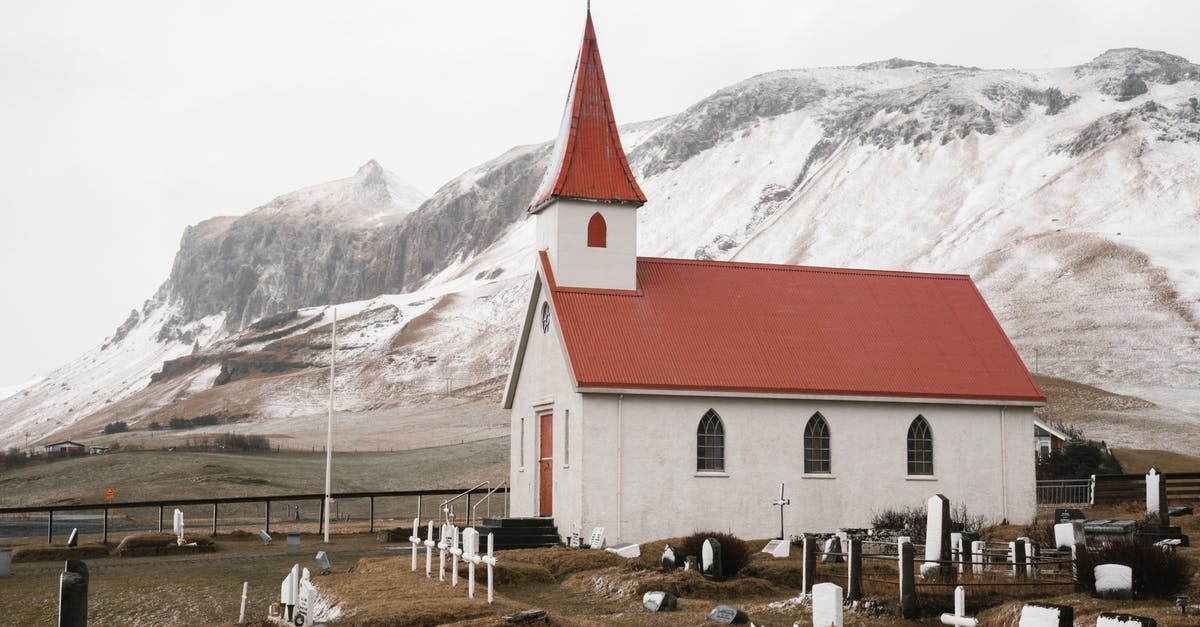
pixel 597 232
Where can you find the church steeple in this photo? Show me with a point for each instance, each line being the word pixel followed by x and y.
pixel 588 162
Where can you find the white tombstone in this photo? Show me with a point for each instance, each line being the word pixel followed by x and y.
pixel 1153 478
pixel 778 548
pixel 978 557
pixel 626 550
pixel 443 545
pixel 1123 620
pixel 490 561
pixel 177 525
pixel 471 554
pixel 827 605
pixel 935 533
pixel 304 598
pixel 289 592
pixel 597 541
pixel 429 551
pixel 455 552
pixel 1068 534
pixel 1043 616
pixel 959 618
pixel 956 548
pixel 415 540
pixel 1114 581
pixel 323 565
pixel 264 536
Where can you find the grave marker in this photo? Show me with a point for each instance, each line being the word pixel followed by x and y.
pixel 959 618
pixel 626 550
pixel 5 562
pixel 471 554
pixel 778 548
pixel 854 569
pixel 177 526
pixel 443 545
pixel 490 561
pixel 832 546
pixel 1109 619
pixel 455 552
pixel 429 551
pixel 978 557
pixel 657 601
pixel 323 565
pixel 1156 496
pixel 937 538
pixel 293 543
pixel 1114 581
pixel 670 558
pixel 729 615
pixel 242 612
pixel 710 559
pixel 264 536
pixel 304 594
pixel 597 540
pixel 808 557
pixel 1068 514
pixel 1068 534
pixel 827 605
pixel 1045 615
pixel 73 539
pixel 415 540
pixel 908 589
pixel 1016 553
pixel 289 591
pixel 73 594
pixel 781 503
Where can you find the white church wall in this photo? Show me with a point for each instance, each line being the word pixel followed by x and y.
pixel 545 386
pixel 562 230
pixel 662 495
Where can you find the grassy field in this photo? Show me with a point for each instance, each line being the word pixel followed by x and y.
pixel 1138 461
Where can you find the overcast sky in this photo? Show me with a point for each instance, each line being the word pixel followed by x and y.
pixel 123 122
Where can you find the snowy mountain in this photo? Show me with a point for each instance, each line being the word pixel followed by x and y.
pixel 1070 194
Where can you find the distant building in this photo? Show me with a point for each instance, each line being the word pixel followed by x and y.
pixel 659 397
pixel 1047 439
pixel 66 446
pixel 97 449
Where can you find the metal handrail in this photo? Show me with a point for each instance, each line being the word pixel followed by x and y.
pixel 487 497
pixel 444 511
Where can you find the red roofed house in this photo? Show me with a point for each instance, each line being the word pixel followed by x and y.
pixel 656 397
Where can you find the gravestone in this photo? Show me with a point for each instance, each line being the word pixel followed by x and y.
pixel 908 590
pixel 778 548
pixel 670 558
pixel 728 615
pixel 937 539
pixel 525 617
pixel 959 618
pixel 1068 534
pixel 304 598
pixel 1045 615
pixel 5 562
pixel 658 601
pixel 177 525
pixel 73 595
pixel 626 549
pixel 832 545
pixel 691 563
pixel 323 565
pixel 597 541
pixel 264 536
pixel 1114 581
pixel 293 543
pixel 978 556
pixel 827 605
pixel 710 559
pixel 1109 619
pixel 73 539
pixel 1156 497
pixel 1068 514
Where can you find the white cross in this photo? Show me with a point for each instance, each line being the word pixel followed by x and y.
pixel 780 503
pixel 959 617
pixel 471 554
pixel 455 551
pixel 415 539
pixel 442 546
pixel 429 551
pixel 490 560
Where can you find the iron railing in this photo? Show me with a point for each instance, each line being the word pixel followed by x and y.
pixel 1065 492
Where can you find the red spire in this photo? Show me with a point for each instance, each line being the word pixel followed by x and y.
pixel 588 161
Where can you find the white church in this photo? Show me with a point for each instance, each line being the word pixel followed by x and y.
pixel 658 397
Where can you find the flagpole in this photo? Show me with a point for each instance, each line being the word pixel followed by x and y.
pixel 329 428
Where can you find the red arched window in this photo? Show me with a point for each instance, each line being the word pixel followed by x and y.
pixel 597 232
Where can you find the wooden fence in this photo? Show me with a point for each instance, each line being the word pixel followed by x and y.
pixel 1181 487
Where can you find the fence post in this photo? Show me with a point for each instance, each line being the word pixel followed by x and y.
pixel 105 527
pixel 50 527
pixel 214 525
pixel 160 516
pixel 1076 549
pixel 854 569
pixel 372 529
pixel 321 517
pixel 268 525
pixel 468 509
pixel 908 589
pixel 810 564
pixel 418 506
pixel 1092 491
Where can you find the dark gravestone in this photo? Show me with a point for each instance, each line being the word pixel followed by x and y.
pixel 832 545
pixel 72 594
pixel 671 557
pixel 691 563
pixel 73 539
pixel 728 615
pixel 1067 514
pixel 1179 510
pixel 710 559
pixel 658 601
pixel 525 617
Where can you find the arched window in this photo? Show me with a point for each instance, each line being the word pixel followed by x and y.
pixel 816 445
pixel 920 447
pixel 597 231
pixel 710 443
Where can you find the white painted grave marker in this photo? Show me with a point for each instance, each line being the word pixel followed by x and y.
pixel 937 535
pixel 177 526
pixel 597 541
pixel 490 560
pixel 778 548
pixel 1046 616
pixel 429 551
pixel 323 565
pixel 1068 534
pixel 827 605
pixel 264 536
pixel 455 552
pixel 304 596
pixel 1153 503
pixel 471 554
pixel 626 550
pixel 242 612
pixel 978 557
pixel 415 539
pixel 1114 581
pixel 443 545
pixel 959 618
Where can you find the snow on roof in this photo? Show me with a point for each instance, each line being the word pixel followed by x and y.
pixel 778 329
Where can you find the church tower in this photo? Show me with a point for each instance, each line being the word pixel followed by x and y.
pixel 586 206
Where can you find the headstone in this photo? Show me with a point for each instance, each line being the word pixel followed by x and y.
pixel 597 540
pixel 490 561
pixel 626 550
pixel 827 605
pixel 73 594
pixel 937 538
pixel 808 557
pixel 854 569
pixel 778 548
pixel 728 615
pixel 73 539
pixel 323 565
pixel 1114 581
pixel 978 557
pixel 293 543
pixel 1044 615
pixel 1179 510
pixel 471 554
pixel 670 558
pixel 908 589
pixel 264 536
pixel 832 545
pixel 289 593
pixel 525 617
pixel 710 559
pixel 1068 534
pixel 1169 546
pixel 1156 497
pixel 304 597
pixel 177 525
pixel 658 601
pixel 1109 619
pixel 959 618
pixel 1067 514
pixel 5 562
pixel 1016 555
pixel 691 563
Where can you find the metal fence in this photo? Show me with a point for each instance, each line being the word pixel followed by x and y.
pixel 1066 492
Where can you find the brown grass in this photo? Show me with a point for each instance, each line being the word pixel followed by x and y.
pixel 58 553
pixel 1140 461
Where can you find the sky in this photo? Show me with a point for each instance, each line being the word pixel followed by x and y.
pixel 121 123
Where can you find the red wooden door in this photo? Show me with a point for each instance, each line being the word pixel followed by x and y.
pixel 546 466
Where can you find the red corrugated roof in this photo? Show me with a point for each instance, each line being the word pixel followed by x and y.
pixel 741 327
pixel 588 161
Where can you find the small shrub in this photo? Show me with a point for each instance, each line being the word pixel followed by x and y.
pixel 913 520
pixel 119 426
pixel 179 423
pixel 154 426
pixel 1156 573
pixel 734 552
